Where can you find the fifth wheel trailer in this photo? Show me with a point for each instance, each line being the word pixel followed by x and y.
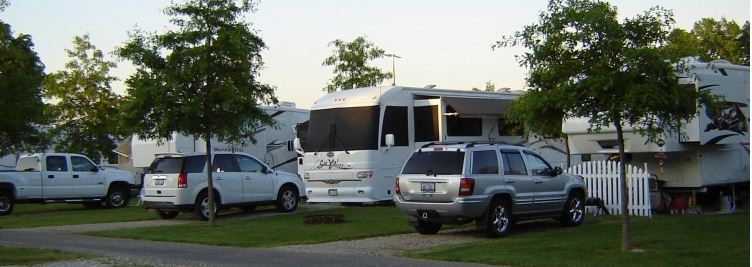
pixel 273 143
pixel 709 158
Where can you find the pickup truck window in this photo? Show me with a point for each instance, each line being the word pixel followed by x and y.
pixel 57 164
pixel 81 164
pixel 28 164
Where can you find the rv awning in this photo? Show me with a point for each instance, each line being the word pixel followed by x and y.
pixel 476 107
pixel 124 149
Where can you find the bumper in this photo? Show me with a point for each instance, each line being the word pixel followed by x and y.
pixel 167 206
pixel 462 210
pixel 344 194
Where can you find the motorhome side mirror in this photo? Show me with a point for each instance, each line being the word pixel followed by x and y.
pixel 296 144
pixel 389 140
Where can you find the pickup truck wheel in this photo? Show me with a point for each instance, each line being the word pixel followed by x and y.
pixel 574 210
pixel 499 218
pixel 116 198
pixel 167 214
pixel 427 228
pixel 201 207
pixel 6 204
pixel 287 199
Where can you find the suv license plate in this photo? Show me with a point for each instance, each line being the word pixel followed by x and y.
pixel 159 182
pixel 427 187
pixel 332 192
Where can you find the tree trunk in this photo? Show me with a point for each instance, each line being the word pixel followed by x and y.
pixel 626 231
pixel 209 179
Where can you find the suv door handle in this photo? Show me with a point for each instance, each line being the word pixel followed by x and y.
pixel 247 177
pixel 538 181
pixel 509 181
pixel 218 178
pixel 75 176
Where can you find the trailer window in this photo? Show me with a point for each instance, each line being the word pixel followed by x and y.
pixel 438 163
pixel 426 124
pixel 457 126
pixel 338 129
pixel 395 122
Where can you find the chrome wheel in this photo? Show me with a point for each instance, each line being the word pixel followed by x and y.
pixel 500 219
pixel 205 207
pixel 288 200
pixel 576 210
pixel 117 199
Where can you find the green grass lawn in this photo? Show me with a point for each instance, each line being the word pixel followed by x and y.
pixel 688 240
pixel 360 222
pixel 12 255
pixel 35 215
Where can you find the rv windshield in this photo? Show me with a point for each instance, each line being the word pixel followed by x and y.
pixel 343 129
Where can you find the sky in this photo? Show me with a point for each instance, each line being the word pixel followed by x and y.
pixel 440 42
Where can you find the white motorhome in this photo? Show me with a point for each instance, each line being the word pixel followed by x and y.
pixel 713 148
pixel 357 140
pixel 273 144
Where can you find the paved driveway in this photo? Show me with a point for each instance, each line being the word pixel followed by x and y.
pixel 114 251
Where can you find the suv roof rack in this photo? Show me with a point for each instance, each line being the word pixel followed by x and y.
pixel 442 143
pixel 469 144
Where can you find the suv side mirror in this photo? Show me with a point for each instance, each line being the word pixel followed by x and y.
pixel 389 140
pixel 557 171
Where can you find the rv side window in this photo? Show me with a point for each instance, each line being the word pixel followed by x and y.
pixel 485 162
pixel 457 126
pixel 513 163
pixel 395 122
pixel 426 123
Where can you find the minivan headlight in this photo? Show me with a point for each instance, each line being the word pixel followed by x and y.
pixel 366 174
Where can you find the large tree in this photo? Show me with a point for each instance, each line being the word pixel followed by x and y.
pixel 712 39
pixel 351 69
pixel 83 109
pixel 200 79
pixel 21 75
pixel 584 62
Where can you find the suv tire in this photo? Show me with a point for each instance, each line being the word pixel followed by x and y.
pixel 201 207
pixel 287 199
pixel 116 198
pixel 499 218
pixel 427 228
pixel 574 210
pixel 167 214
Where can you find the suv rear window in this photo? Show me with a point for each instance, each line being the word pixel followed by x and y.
pixel 193 164
pixel 435 162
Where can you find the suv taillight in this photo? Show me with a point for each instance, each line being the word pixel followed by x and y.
pixel 183 180
pixel 466 186
pixel 396 186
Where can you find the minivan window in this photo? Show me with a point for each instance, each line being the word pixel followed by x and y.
pixel 167 165
pixel 513 163
pixel 485 162
pixel 435 162
pixel 57 164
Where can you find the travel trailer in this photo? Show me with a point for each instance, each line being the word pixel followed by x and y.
pixel 273 144
pixel 710 155
pixel 356 141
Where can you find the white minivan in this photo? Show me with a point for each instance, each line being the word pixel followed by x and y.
pixel 177 182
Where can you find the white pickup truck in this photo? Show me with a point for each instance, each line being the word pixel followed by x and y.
pixel 62 177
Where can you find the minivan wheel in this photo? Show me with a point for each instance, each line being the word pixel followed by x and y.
pixel 167 214
pixel 201 207
pixel 116 198
pixel 427 228
pixel 499 218
pixel 287 199
pixel 6 204
pixel 574 210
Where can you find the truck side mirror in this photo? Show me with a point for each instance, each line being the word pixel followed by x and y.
pixel 298 147
pixel 389 140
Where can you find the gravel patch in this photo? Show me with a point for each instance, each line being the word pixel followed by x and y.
pixel 391 246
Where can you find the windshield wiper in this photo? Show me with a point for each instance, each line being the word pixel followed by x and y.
pixel 333 132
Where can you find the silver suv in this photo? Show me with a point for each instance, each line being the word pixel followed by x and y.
pixel 491 184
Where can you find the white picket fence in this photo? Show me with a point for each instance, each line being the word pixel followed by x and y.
pixel 602 181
